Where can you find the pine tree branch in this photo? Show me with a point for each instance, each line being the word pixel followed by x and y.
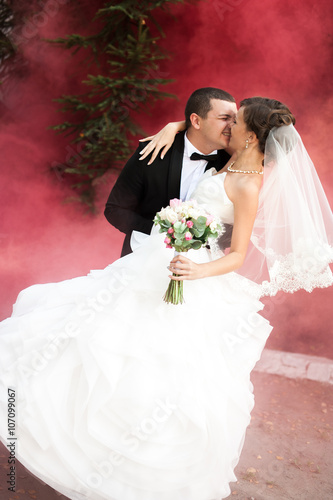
pixel 127 78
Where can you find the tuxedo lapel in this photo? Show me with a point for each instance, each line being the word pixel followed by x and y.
pixel 176 163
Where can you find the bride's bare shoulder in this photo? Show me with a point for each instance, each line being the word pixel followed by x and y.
pixel 240 186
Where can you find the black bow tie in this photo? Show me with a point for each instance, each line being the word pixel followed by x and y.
pixel 197 156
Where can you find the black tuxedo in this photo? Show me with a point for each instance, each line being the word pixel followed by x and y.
pixel 142 190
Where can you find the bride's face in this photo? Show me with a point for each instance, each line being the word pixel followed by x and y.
pixel 239 132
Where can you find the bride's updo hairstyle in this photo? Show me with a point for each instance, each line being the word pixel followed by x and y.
pixel 261 115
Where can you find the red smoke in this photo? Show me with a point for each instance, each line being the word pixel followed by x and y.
pixel 279 49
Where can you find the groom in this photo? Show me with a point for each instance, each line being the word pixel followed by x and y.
pixel 142 190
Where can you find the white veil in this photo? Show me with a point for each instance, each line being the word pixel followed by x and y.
pixel 292 240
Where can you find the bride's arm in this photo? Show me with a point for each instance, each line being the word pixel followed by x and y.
pixel 163 139
pixel 245 209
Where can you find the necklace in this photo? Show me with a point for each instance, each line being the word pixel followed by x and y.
pixel 243 171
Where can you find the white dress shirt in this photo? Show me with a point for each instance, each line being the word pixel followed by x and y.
pixel 192 170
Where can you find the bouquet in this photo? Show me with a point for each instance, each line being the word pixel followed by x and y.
pixel 187 226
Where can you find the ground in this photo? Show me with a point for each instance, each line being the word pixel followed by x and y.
pixel 287 455
pixel 288 452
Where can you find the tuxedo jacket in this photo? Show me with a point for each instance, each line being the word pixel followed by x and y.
pixel 141 190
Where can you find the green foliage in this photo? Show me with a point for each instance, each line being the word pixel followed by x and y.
pixel 7 48
pixel 126 58
pixel 199 230
pixel 11 19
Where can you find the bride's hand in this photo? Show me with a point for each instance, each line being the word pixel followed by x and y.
pixel 185 269
pixel 163 139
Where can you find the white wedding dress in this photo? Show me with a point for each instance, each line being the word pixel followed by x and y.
pixel 120 396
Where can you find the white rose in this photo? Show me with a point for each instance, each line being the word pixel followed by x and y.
pixel 162 213
pixel 170 215
pixel 194 213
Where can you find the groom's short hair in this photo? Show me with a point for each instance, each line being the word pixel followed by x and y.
pixel 199 102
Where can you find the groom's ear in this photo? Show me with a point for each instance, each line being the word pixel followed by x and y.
pixel 195 121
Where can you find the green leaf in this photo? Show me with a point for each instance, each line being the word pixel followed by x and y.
pixel 178 242
pixel 197 232
pixel 201 220
pixel 195 244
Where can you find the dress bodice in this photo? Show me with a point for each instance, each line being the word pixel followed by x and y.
pixel 210 193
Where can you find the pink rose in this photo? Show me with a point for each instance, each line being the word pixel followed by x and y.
pixel 170 230
pixel 188 236
pixel 167 241
pixel 169 246
pixel 209 220
pixel 175 203
pixel 189 223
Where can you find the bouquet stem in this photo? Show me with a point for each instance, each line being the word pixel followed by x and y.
pixel 174 293
pixel 175 290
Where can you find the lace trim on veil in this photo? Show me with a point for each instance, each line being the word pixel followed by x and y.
pixel 306 269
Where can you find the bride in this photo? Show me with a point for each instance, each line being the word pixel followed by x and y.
pixel 114 394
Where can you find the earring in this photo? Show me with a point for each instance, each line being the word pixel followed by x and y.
pixel 246 143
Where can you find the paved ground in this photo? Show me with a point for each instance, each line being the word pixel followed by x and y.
pixel 298 366
pixel 288 453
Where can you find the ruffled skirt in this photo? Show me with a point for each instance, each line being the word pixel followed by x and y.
pixel 120 396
